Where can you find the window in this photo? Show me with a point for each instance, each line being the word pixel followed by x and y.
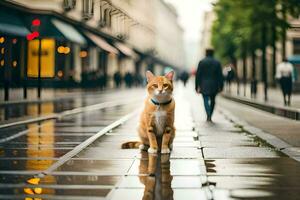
pixel 87 9
pixel 107 17
pixel 296 46
pixel 69 4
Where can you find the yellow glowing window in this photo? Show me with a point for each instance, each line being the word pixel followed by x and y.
pixel 47 58
pixel 14 64
pixel 83 54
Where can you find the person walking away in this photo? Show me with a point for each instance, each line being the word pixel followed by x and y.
pixel 184 77
pixel 128 78
pixel 286 76
pixel 209 81
pixel 117 79
pixel 228 74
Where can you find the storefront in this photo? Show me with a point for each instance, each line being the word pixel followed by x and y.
pixel 60 52
pixel 12 49
pixel 295 60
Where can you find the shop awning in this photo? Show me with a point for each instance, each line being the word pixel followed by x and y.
pixel 295 59
pixel 68 31
pixel 126 50
pixel 101 43
pixel 11 24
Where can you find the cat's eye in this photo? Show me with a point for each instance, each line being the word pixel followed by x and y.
pixel 165 85
pixel 155 85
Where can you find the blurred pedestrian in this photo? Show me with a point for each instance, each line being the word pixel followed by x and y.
pixel 138 79
pixel 209 81
pixel 253 88
pixel 128 78
pixel 117 79
pixel 229 74
pixel 184 77
pixel 286 76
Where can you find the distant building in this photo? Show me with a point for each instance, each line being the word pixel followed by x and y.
pixel 205 41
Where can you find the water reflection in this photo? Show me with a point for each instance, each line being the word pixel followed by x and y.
pixel 255 178
pixel 38 135
pixel 9 112
pixel 157 177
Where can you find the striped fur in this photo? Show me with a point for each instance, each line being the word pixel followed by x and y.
pixel 131 145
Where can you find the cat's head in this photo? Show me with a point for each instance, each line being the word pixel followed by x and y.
pixel 160 88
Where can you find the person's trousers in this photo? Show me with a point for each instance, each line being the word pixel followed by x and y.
pixel 286 84
pixel 209 104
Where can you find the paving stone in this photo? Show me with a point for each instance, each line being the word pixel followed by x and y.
pixel 187 193
pixel 119 138
pixel 177 167
pixel 112 167
pixel 258 193
pixel 84 193
pixel 14 178
pixel 33 153
pixel 240 152
pixel 49 139
pixel 186 153
pixel 132 194
pixel 80 180
pixel 185 144
pixel 283 166
pixel 32 164
pixel 254 181
pixel 225 138
pixel 79 129
pixel 227 144
pixel 102 153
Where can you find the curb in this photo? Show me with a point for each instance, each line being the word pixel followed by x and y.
pixel 291 113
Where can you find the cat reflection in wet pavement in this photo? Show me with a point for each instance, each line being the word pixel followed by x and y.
pixel 155 174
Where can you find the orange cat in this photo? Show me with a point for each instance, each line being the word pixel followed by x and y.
pixel 157 119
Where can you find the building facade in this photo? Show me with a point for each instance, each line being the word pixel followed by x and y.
pixel 82 40
pixel 205 41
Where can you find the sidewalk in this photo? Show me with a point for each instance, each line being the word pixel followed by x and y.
pixel 275 97
pixel 281 132
pixel 274 104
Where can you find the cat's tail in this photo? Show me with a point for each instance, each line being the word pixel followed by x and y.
pixel 131 145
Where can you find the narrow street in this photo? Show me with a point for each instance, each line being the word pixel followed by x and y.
pixel 77 155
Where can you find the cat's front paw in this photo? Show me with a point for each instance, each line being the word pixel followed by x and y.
pixel 165 151
pixel 152 150
pixel 143 147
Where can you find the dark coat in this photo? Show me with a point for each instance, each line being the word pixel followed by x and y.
pixel 209 77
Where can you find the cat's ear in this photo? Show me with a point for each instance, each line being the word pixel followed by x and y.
pixel 170 75
pixel 149 76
